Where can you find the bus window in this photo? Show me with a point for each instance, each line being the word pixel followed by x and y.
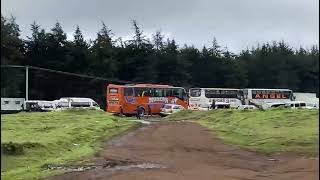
pixel 80 104
pixel 113 90
pixel 184 95
pixel 216 93
pixel 148 92
pixel 158 92
pixel 229 93
pixel 128 91
pixel 211 93
pixel 142 92
pixel 138 92
pixel 168 92
pixel 240 95
pixel 195 92
pixel 178 93
pixel 302 104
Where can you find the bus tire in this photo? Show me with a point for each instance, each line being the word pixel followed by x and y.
pixel 162 115
pixel 121 112
pixel 143 111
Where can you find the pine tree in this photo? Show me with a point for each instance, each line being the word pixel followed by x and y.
pixel 11 44
pixel 103 62
pixel 11 53
pixel 215 48
pixel 158 41
pixel 79 53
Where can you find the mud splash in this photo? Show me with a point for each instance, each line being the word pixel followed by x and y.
pixel 112 165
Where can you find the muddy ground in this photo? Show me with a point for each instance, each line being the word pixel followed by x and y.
pixel 183 151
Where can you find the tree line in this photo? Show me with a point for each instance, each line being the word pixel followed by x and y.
pixel 155 60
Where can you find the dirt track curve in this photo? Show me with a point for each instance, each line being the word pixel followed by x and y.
pixel 187 151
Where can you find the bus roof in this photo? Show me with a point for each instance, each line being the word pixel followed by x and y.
pixel 267 89
pixel 144 85
pixel 217 88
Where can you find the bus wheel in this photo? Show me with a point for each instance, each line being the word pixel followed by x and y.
pixel 142 111
pixel 121 112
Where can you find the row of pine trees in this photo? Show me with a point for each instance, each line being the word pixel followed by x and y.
pixel 156 60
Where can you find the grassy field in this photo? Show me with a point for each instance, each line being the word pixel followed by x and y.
pixel 268 131
pixel 29 141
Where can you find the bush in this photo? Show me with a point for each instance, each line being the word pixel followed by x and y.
pixel 12 148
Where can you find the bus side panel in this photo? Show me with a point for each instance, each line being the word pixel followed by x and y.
pixel 129 104
pixel 114 100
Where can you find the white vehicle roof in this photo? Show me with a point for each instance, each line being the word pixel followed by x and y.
pixel 40 101
pixel 295 102
pixel 272 103
pixel 268 89
pixel 217 88
pixel 221 103
pixel 76 99
pixel 9 99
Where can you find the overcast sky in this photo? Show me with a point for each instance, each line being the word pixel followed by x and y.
pixel 237 24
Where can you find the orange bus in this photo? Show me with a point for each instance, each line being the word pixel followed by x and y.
pixel 124 99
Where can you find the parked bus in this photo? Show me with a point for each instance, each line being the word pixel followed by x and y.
pixel 263 96
pixel 124 99
pixel 202 97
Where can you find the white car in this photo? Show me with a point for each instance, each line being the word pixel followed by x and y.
pixel 219 105
pixel 222 105
pixel 242 107
pixel 168 109
pixel 300 105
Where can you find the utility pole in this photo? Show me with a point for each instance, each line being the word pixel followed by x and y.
pixel 27 83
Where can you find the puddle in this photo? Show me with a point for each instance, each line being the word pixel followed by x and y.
pixel 139 166
pixel 119 141
pixel 112 165
pixel 71 168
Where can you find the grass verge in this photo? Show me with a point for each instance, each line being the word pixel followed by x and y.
pixel 29 141
pixel 268 131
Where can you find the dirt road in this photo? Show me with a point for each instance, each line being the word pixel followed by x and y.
pixel 183 151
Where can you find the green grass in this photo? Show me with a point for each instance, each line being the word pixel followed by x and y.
pixel 53 138
pixel 270 131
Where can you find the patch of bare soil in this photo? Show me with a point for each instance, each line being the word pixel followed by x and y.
pixel 183 151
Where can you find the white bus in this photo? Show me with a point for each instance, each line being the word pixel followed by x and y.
pixel 264 96
pixel 200 98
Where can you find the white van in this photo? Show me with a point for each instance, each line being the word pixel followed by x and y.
pixel 76 102
pixel 299 105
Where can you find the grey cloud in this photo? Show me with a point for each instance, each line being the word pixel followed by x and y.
pixel 237 24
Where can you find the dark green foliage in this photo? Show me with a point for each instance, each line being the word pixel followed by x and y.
pixel 270 65
pixel 12 148
pixel 11 53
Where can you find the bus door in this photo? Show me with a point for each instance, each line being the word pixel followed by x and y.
pixel 130 101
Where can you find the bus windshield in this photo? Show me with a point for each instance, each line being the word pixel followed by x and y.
pixel 195 92
pixel 216 93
